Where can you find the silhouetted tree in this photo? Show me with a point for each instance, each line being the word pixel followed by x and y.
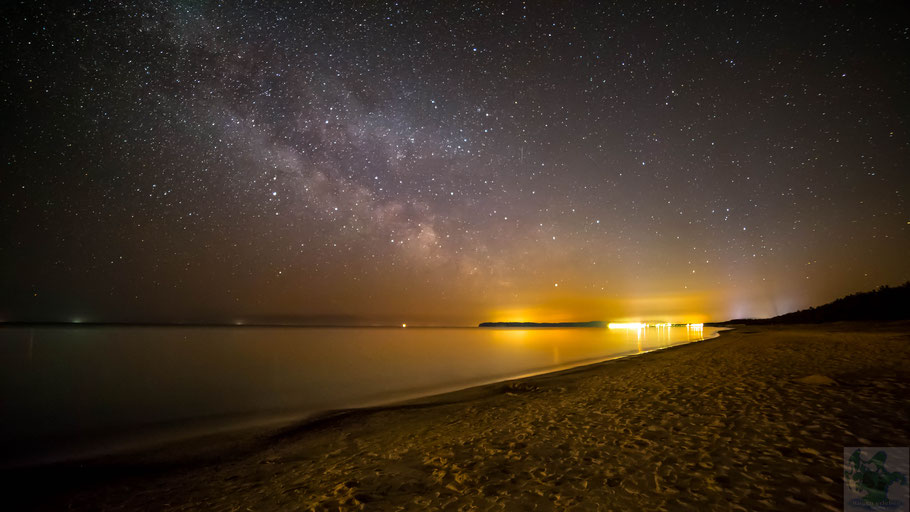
pixel 883 303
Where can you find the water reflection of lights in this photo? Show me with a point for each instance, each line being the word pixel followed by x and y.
pixel 638 325
pixel 664 332
pixel 697 328
pixel 510 335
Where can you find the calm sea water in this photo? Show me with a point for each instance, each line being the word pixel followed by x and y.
pixel 99 384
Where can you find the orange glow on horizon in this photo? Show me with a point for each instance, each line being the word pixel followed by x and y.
pixel 678 309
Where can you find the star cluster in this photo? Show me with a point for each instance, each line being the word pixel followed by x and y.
pixel 449 162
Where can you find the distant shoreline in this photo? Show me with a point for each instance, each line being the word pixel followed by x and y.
pixel 201 324
pixel 597 323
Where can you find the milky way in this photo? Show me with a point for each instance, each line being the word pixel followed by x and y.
pixel 447 164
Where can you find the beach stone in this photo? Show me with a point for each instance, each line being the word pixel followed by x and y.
pixel 817 380
pixel 364 497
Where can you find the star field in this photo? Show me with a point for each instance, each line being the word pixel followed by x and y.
pixel 449 164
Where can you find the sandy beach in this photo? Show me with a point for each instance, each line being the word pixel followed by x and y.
pixel 756 419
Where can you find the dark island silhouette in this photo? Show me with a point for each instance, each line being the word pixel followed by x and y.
pixel 885 303
pixel 596 323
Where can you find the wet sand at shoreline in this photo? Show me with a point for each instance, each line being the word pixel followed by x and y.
pixel 753 420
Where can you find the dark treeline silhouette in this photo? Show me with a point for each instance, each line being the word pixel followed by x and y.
pixel 544 324
pixel 883 303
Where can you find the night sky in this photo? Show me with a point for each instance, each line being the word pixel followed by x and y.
pixel 449 164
